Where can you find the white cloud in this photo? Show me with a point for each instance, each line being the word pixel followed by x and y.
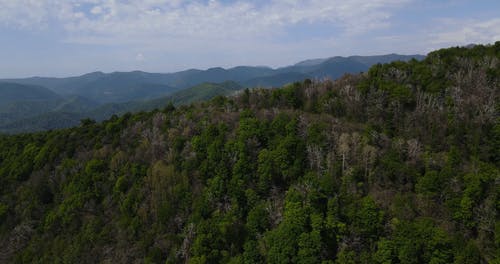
pixel 463 32
pixel 23 14
pixel 139 57
pixel 178 34
pixel 96 10
pixel 193 19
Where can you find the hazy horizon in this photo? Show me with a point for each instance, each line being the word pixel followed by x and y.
pixel 202 69
pixel 58 38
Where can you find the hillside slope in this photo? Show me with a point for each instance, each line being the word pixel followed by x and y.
pixel 32 116
pixel 201 92
pixel 100 95
pixel 106 88
pixel 396 165
pixel 13 92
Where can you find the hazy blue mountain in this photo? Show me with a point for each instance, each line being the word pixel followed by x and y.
pixel 69 112
pixel 238 74
pixel 372 60
pixel 35 103
pixel 310 62
pixel 75 104
pixel 275 80
pixel 12 92
pixel 367 60
pixel 105 88
pixel 201 92
pixel 335 67
pixel 46 121
pixel 65 86
pixel 331 68
pixel 13 111
pixel 126 86
pixel 18 101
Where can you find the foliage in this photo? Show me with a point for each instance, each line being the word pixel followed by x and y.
pixel 396 165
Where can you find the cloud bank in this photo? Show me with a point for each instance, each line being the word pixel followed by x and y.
pixel 166 35
pixel 104 20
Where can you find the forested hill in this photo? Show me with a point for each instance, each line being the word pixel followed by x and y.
pixel 397 165
pixel 30 104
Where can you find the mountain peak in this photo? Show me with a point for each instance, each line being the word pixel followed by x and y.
pixel 96 73
pixel 311 62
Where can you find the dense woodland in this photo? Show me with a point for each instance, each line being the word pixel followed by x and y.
pixel 396 165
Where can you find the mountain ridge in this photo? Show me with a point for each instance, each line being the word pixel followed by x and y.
pixel 11 91
pixel 171 78
pixel 89 93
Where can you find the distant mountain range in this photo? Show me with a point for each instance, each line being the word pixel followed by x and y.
pixel 41 103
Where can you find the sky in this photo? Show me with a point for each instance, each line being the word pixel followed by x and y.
pixel 61 38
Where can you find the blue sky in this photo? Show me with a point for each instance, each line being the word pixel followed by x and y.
pixel 72 37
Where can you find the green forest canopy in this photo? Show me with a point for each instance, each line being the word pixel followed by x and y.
pixel 396 165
